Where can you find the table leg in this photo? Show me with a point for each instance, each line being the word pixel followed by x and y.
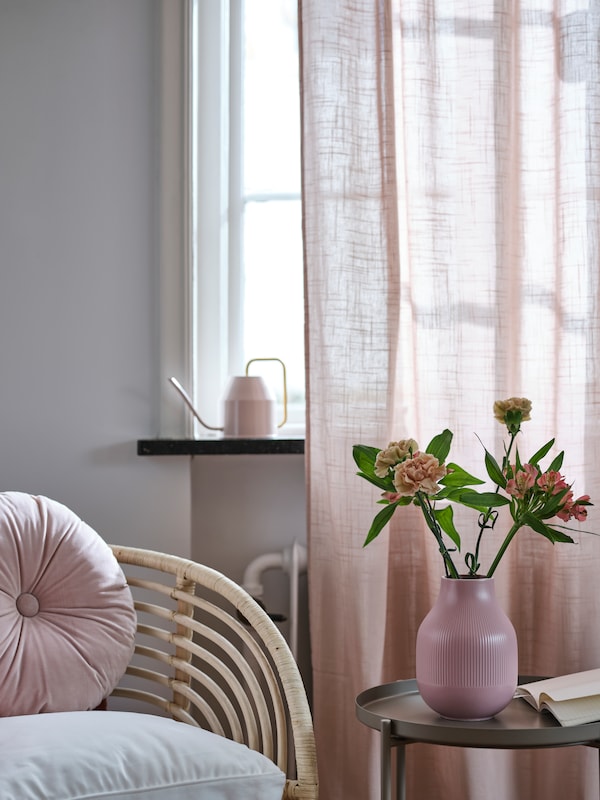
pixel 386 764
pixel 386 761
pixel 400 772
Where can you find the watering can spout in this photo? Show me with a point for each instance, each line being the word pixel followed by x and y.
pixel 187 400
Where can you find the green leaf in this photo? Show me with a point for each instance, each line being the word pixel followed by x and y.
pixel 518 465
pixel 452 493
pixel 482 500
pixel 494 470
pixel 539 527
pixel 380 521
pixel 557 463
pixel 403 501
pixel 365 456
pixel 553 504
pixel 537 457
pixel 457 476
pixel 561 537
pixel 439 446
pixel 445 518
pixel 385 484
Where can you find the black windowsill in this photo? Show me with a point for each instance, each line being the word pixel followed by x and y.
pixel 221 446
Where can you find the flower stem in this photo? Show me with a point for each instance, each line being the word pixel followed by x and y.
pixel 513 436
pixel 508 539
pixel 485 518
pixel 433 526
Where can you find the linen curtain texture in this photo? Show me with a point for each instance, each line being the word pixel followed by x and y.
pixel 451 212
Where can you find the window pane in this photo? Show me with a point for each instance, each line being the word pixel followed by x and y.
pixel 271 97
pixel 273 291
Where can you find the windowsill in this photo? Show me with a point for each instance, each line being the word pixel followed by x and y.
pixel 219 446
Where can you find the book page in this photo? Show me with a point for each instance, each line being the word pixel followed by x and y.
pixel 575 711
pixel 564 687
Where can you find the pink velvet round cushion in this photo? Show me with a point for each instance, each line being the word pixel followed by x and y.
pixel 67 621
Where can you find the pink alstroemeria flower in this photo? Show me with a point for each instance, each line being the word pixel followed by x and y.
pixel 552 482
pixel 523 481
pixel 573 508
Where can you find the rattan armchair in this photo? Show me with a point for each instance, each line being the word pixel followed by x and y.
pixel 208 655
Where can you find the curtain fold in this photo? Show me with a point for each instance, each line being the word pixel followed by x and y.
pixel 451 216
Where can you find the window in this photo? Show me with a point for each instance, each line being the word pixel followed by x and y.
pixel 245 209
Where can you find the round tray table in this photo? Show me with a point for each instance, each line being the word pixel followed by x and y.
pixel 400 714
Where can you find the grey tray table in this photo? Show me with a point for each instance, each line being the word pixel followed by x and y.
pixel 400 714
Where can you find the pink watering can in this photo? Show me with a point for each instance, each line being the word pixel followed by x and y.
pixel 250 411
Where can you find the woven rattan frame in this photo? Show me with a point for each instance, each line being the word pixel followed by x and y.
pixel 207 654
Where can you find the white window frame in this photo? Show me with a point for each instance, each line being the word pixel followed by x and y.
pixel 212 202
pixel 174 279
pixel 193 225
pixel 201 203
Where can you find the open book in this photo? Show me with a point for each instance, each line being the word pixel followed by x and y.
pixel 572 699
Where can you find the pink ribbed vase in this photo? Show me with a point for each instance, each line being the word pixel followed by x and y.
pixel 467 659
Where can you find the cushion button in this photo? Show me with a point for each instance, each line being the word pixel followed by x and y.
pixel 28 604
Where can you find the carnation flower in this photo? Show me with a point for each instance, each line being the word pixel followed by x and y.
pixel 418 474
pixel 393 454
pixel 512 413
pixel 513 405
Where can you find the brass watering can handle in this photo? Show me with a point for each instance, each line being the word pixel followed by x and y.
pixel 252 360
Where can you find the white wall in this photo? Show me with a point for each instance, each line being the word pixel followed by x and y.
pixel 79 319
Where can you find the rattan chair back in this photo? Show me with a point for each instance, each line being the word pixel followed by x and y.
pixel 208 655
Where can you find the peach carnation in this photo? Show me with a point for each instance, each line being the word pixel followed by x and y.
pixel 418 474
pixel 522 404
pixel 394 453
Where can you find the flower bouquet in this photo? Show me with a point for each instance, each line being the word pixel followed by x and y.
pixel 538 498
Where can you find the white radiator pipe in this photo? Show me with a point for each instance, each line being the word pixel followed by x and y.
pixel 252 580
pixel 298 564
pixel 293 561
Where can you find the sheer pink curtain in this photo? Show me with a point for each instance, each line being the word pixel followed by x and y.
pixel 451 168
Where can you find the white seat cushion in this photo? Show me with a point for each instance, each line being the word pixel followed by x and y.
pixel 127 756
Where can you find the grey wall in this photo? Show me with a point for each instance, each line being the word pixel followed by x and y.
pixel 244 507
pixel 79 325
pixel 79 306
